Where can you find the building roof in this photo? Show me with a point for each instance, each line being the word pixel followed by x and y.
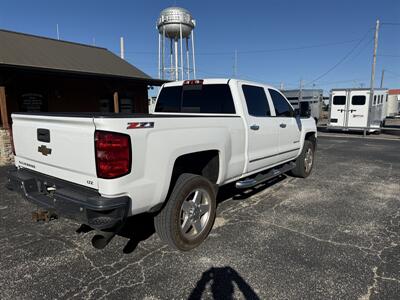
pixel 394 92
pixel 30 51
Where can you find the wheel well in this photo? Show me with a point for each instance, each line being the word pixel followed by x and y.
pixel 310 136
pixel 204 163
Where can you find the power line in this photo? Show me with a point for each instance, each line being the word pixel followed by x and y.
pixel 388 55
pixel 341 60
pixel 394 73
pixel 390 23
pixel 259 50
pixel 297 48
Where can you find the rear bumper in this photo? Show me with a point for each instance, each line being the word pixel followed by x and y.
pixel 69 200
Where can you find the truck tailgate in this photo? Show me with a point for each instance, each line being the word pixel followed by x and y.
pixel 59 146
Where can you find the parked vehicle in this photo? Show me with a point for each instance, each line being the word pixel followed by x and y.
pixel 393 103
pixel 350 109
pixel 313 97
pixel 102 168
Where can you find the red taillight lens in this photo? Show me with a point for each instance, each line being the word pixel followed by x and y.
pixel 113 154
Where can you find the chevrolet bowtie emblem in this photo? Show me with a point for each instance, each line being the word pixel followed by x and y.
pixel 44 150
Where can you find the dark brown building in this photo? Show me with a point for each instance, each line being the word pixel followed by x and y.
pixel 48 75
pixel 43 74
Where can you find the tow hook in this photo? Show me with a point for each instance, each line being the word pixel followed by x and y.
pixel 43 215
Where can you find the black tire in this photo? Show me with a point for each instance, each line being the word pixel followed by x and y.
pixel 168 222
pixel 300 170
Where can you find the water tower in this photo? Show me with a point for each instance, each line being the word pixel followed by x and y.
pixel 174 25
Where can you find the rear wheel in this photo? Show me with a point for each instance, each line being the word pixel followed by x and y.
pixel 305 162
pixel 188 216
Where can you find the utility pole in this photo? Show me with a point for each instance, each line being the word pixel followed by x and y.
pixel 383 76
pixel 301 91
pixel 58 33
pixel 372 86
pixel 122 47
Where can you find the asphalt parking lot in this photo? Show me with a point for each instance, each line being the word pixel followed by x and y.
pixel 334 235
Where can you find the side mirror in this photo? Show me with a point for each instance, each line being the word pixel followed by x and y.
pixel 304 110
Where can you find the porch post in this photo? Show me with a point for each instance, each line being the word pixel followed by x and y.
pixel 116 102
pixel 3 108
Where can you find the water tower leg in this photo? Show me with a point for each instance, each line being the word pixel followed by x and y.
pixel 159 56
pixel 187 59
pixel 172 63
pixel 163 54
pixel 176 60
pixel 193 57
pixel 181 55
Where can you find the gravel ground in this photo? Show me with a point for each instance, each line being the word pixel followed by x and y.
pixel 334 235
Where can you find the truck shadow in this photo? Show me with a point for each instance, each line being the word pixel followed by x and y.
pixel 139 228
pixel 222 283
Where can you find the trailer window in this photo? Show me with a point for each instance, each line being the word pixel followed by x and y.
pixel 207 98
pixel 374 99
pixel 358 100
pixel 256 101
pixel 339 100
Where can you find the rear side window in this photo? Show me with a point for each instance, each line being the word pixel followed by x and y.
pixel 207 98
pixel 339 100
pixel 256 101
pixel 282 107
pixel 358 100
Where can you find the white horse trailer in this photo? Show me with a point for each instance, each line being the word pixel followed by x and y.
pixel 350 109
pixel 312 96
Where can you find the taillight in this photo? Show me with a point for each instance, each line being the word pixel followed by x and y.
pixel 12 140
pixel 113 154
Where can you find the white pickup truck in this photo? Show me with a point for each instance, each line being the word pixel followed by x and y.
pixel 101 169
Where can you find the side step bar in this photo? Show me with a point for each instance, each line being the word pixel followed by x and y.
pixel 250 182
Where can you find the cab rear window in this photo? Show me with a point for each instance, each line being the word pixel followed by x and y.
pixel 207 98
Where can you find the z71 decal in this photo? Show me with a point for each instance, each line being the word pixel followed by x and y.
pixel 138 125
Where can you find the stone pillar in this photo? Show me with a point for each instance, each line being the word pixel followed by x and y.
pixel 6 155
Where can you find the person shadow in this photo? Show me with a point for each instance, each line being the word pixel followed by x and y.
pixel 222 283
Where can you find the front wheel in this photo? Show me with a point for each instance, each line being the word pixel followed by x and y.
pixel 305 162
pixel 188 216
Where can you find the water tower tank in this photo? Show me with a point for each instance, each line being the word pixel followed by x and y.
pixel 172 19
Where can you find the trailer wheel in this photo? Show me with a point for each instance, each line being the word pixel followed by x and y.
pixel 188 216
pixel 305 161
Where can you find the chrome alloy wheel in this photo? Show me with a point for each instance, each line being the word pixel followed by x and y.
pixel 195 213
pixel 308 160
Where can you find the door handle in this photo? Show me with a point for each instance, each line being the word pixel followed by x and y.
pixel 282 125
pixel 254 127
